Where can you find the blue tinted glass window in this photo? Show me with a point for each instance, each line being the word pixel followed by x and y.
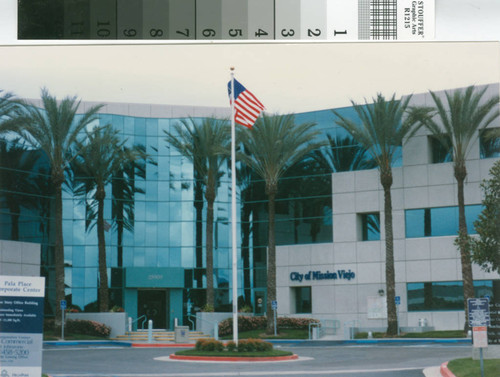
pixel 140 127
pixel 187 257
pixel 163 233
pixel 447 295
pixel 150 257
pixel 175 257
pixel 139 260
pixel 151 211
pixel 152 127
pixel 471 215
pixel 139 233
pixel 128 126
pixel 140 210
pixel 444 221
pixel 303 299
pixel 163 257
pixel 151 234
pixel 90 277
pixel 439 152
pixel 489 145
pixel 441 221
pixel 414 223
pixel 370 223
pixel 118 122
pixel 175 234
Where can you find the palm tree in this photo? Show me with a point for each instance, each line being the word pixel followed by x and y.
pixel 8 105
pixel 342 154
pixel 272 146
pixel 18 188
pixel 205 144
pixel 382 131
pixel 100 157
pixel 54 129
pixel 123 193
pixel 456 127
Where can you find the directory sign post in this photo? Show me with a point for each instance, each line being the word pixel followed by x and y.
pixel 21 325
pixel 479 312
pixel 479 320
pixel 274 305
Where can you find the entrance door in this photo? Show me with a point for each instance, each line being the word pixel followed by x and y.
pixel 153 304
pixel 260 302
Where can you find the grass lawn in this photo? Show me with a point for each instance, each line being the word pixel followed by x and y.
pixel 261 334
pixel 428 334
pixel 273 353
pixel 471 368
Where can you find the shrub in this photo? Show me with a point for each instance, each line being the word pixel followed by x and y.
pixel 246 309
pixel 199 344
pixel 252 345
pixel 84 327
pixel 209 345
pixel 231 346
pixel 254 323
pixel 207 308
pixel 263 346
pixel 49 324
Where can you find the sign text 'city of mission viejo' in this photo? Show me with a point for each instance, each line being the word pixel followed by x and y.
pixel 318 275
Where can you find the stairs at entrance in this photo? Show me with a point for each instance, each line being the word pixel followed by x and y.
pixel 160 336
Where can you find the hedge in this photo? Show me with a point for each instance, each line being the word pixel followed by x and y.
pixel 245 345
pixel 79 326
pixel 254 323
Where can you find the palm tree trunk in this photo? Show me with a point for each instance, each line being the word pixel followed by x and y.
pixel 390 279
pixel 103 273
pixel 245 251
pixel 198 205
pixel 210 196
pixel 57 180
pixel 271 259
pixel 463 241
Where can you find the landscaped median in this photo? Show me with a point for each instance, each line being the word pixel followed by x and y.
pixel 470 368
pixel 245 350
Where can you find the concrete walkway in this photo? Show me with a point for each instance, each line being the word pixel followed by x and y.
pixel 432 372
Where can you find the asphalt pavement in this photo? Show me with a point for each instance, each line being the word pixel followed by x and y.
pixel 315 359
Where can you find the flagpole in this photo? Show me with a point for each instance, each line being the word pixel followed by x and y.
pixel 233 214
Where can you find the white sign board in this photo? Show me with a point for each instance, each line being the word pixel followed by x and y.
pixel 480 336
pixel 21 325
pixel 377 307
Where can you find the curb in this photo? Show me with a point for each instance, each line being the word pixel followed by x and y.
pixel 233 359
pixel 445 372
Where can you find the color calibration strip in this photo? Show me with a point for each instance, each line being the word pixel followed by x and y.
pixel 333 20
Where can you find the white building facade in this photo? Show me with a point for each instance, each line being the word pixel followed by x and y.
pixel 345 280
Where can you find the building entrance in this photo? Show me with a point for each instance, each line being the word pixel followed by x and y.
pixel 153 303
pixel 260 302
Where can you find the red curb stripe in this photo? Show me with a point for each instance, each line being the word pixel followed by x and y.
pixel 445 372
pixel 221 358
pixel 162 345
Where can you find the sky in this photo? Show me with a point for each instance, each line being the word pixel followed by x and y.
pixel 286 77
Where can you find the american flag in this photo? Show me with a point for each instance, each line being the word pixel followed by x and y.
pixel 247 107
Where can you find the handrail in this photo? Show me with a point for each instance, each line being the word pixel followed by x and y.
pixel 215 330
pixel 190 320
pixel 311 326
pixel 351 329
pixel 137 320
pixel 144 321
